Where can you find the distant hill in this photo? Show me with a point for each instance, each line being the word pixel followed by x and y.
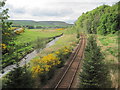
pixel 40 23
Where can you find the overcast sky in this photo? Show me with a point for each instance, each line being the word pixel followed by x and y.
pixel 52 10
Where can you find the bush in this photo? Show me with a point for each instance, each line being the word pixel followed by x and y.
pixel 63 54
pixel 45 67
pixel 20 77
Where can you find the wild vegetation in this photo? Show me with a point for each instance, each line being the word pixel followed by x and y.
pixel 99 62
pixel 93 67
pixel 102 20
pixel 109 47
pixel 20 77
pixel 7 34
pixel 27 40
pixel 44 68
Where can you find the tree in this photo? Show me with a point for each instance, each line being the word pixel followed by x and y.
pixel 20 77
pixel 78 34
pixel 5 28
pixel 102 20
pixel 6 32
pixel 39 43
pixel 94 72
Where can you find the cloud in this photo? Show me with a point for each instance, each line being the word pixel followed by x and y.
pixel 55 10
pixel 51 12
pixel 19 10
pixel 13 9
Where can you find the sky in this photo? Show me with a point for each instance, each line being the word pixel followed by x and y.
pixel 52 10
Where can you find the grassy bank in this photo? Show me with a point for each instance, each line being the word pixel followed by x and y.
pixel 66 40
pixel 109 47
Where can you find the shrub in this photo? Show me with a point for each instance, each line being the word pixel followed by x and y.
pixel 63 54
pixel 43 65
pixel 44 68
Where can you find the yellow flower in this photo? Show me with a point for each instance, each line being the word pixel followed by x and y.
pixel 60 29
pixel 57 52
pixel 3 46
pixel 44 64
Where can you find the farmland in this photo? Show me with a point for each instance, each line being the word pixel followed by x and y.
pixel 24 43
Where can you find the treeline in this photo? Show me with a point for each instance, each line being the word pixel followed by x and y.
pixel 38 27
pixel 102 20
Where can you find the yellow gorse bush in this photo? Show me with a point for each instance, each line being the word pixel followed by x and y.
pixel 59 29
pixel 3 46
pixel 51 59
pixel 63 51
pixel 44 64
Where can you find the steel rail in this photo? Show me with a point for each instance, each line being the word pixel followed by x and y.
pixel 81 43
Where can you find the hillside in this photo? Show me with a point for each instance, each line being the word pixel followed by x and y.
pixel 102 20
pixel 40 23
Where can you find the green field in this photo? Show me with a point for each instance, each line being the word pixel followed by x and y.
pixel 26 42
pixel 31 35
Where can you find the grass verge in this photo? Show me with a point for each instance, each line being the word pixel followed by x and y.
pixel 109 46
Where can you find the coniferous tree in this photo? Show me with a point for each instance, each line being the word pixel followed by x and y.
pixel 18 78
pixel 94 72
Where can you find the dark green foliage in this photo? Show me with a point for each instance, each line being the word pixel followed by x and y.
pixel 18 78
pixel 30 27
pixel 63 55
pixel 7 34
pixel 39 43
pixel 39 27
pixel 5 26
pixel 94 71
pixel 102 20
pixel 47 76
pixel 78 34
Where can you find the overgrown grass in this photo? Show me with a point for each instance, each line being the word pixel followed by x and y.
pixel 106 40
pixel 109 46
pixel 65 40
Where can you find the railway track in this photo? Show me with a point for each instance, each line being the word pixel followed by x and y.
pixel 68 77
